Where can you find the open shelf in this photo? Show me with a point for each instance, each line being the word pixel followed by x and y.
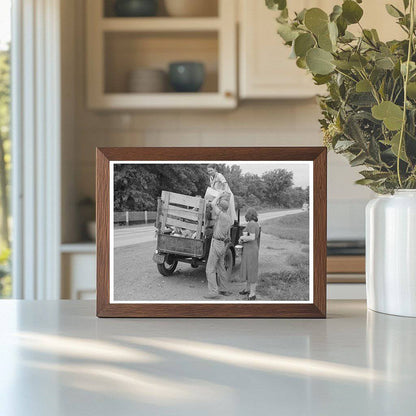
pixel 127 51
pixel 211 9
pixel 160 24
pixel 116 46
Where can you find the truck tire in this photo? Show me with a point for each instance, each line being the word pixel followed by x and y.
pixel 168 267
pixel 229 262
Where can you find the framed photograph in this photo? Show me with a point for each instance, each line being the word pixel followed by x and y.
pixel 211 232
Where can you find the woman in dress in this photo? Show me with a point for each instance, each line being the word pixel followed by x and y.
pixel 250 258
pixel 219 183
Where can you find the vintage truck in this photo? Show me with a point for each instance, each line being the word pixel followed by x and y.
pixel 184 233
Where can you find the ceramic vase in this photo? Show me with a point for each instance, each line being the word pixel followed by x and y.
pixel 391 253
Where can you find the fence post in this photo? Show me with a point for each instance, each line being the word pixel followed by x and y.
pixel 127 218
pixel 145 217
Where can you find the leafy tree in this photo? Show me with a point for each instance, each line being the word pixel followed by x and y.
pixel 137 187
pixel 255 186
pixel 234 177
pixel 4 143
pixel 276 182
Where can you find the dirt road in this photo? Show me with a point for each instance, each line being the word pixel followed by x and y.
pixel 136 276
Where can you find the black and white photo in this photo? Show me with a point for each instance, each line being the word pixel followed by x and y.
pixel 211 231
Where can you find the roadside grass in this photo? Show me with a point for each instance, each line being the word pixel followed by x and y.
pixel 285 285
pixel 290 227
pixel 297 260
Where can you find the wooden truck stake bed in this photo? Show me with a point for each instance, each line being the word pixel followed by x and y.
pixel 184 233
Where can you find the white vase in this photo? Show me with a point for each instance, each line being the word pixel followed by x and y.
pixel 391 253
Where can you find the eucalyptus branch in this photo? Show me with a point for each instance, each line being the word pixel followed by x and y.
pixel 345 75
pixel 406 80
pixel 373 89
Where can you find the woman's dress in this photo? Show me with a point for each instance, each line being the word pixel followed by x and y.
pixel 249 268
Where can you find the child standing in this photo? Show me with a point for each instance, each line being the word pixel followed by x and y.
pixel 250 259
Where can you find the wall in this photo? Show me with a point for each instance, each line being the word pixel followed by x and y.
pixel 264 123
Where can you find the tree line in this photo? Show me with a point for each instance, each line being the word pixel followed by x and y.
pixel 137 186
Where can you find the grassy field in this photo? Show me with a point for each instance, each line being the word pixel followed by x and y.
pixel 290 227
pixel 291 281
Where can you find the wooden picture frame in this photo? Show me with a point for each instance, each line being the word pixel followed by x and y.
pixel 315 308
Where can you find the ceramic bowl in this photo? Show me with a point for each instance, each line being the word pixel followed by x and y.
pixel 135 8
pixel 186 76
pixel 147 80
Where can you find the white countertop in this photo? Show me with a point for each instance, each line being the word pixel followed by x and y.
pixel 56 358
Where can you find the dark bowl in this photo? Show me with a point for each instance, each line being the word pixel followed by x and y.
pixel 136 8
pixel 186 76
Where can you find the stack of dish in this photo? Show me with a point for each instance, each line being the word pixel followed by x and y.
pixel 147 80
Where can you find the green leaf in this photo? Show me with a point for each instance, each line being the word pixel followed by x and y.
pixel 406 4
pixel 358 61
pixel 316 20
pixel 374 150
pixel 358 160
pixel 393 11
pixel 375 35
pixel 325 43
pixel 411 90
pixel 321 79
pixel 361 99
pixel 364 181
pixel 286 32
pixel 351 11
pixel 374 175
pixel 336 12
pixel 343 145
pixel 391 114
pixel 303 43
pixel 394 144
pixel 368 36
pixel 276 4
pixel 300 17
pixel 342 25
pixel 363 86
pixel 385 63
pixel 333 32
pixel 343 65
pixel 412 67
pixel 301 63
pixel 347 37
pixel 319 61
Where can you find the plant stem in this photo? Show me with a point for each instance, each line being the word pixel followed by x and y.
pixel 406 80
pixel 345 75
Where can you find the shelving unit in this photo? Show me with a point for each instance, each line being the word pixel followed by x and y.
pixel 118 45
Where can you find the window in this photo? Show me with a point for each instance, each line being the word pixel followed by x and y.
pixel 5 145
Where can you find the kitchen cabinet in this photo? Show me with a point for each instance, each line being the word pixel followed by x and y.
pixel 265 70
pixel 118 45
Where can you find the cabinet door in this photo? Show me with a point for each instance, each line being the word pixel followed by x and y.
pixel 265 68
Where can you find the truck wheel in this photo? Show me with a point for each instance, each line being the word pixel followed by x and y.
pixel 167 267
pixel 228 262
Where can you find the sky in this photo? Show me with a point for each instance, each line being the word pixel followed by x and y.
pixel 300 170
pixel 5 21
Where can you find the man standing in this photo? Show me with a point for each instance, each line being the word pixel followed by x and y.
pixel 220 238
